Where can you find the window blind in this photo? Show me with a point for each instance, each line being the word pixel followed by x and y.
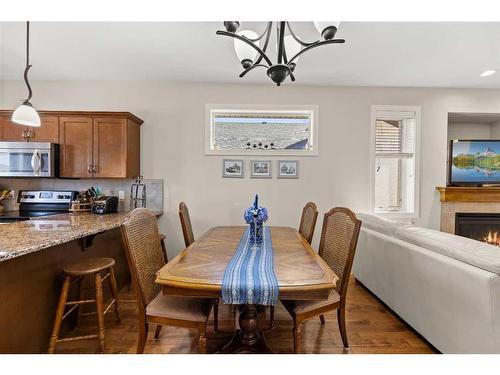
pixel 395 134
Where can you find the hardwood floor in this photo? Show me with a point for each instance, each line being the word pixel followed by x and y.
pixel 371 328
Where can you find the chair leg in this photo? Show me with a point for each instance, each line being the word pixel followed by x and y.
pixel 342 326
pixel 216 315
pixel 271 317
pixel 100 309
pixel 59 314
pixel 202 340
pixel 114 292
pixel 322 319
pixel 143 335
pixel 158 331
pixel 297 337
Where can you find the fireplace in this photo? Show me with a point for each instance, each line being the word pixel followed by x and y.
pixel 483 227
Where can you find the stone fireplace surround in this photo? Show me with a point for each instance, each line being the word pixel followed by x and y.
pixel 466 199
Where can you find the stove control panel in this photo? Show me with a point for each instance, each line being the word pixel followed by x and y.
pixel 46 196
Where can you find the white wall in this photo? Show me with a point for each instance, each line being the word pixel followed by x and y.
pixel 459 130
pixel 173 144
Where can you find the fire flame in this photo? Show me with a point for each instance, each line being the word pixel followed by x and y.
pixel 492 238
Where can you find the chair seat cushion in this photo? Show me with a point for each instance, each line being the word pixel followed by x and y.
pixel 182 308
pixel 302 307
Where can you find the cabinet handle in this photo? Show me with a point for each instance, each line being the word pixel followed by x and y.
pixel 89 169
pixel 94 169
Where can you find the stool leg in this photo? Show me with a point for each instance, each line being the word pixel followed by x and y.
pixel 114 291
pixel 59 314
pixel 100 309
pixel 81 295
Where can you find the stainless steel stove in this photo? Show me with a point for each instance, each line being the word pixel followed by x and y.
pixel 36 203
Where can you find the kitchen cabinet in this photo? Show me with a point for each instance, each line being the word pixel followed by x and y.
pixel 91 144
pixel 100 146
pixel 47 132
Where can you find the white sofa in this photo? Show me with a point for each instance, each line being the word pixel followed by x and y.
pixel 445 286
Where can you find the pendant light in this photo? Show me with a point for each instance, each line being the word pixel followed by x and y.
pixel 25 114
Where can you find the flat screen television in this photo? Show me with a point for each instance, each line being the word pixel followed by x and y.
pixel 474 162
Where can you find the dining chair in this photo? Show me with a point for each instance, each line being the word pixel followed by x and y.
pixel 339 237
pixel 306 229
pixel 187 229
pixel 145 257
pixel 187 232
pixel 308 221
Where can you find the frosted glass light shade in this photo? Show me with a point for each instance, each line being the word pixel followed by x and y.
pixel 26 115
pixel 243 50
pixel 292 47
pixel 321 26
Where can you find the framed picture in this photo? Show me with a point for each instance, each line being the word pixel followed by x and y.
pixel 288 169
pixel 232 168
pixel 260 169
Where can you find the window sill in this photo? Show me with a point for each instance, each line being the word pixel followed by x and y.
pixel 262 153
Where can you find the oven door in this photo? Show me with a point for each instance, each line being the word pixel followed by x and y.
pixel 26 161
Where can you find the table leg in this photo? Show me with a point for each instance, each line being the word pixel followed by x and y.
pixel 249 338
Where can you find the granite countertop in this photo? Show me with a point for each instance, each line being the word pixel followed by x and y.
pixel 25 237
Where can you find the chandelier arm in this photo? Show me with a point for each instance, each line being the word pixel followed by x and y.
pixel 247 41
pixel 324 42
pixel 251 68
pixel 268 27
pixel 303 44
pixel 281 44
pixel 266 42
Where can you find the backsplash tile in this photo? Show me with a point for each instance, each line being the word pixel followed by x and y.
pixel 154 189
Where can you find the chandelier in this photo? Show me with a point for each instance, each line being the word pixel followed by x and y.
pixel 289 47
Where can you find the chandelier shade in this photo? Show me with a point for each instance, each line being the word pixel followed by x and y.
pixel 25 114
pixel 246 53
pixel 247 45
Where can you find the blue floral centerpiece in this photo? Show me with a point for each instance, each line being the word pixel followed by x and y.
pixel 256 216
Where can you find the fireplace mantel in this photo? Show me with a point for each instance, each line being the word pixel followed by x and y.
pixel 470 194
pixel 466 199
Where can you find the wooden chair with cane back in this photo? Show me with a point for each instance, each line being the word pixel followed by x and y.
pixel 145 257
pixel 339 238
pixel 187 232
pixel 306 229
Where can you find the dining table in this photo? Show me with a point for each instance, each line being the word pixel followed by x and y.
pixel 198 271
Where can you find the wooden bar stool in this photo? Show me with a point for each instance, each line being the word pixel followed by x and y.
pixel 78 272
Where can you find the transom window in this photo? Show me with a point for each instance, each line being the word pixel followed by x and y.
pixel 259 131
pixel 395 158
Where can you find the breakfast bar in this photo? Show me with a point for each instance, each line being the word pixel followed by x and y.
pixel 32 254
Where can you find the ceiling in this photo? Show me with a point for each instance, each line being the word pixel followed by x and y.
pixel 375 53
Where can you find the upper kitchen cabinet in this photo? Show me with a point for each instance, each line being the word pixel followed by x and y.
pixel 104 145
pixel 47 132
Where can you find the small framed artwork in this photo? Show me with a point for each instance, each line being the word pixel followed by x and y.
pixel 232 168
pixel 288 169
pixel 260 169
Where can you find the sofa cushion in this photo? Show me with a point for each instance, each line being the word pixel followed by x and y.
pixel 378 223
pixel 467 250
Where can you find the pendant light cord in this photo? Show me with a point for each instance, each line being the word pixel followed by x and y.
pixel 28 66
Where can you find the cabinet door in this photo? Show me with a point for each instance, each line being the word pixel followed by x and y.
pixel 10 131
pixel 75 146
pixel 47 132
pixel 110 147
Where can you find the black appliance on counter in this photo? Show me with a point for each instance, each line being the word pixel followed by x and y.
pixel 36 203
pixel 105 205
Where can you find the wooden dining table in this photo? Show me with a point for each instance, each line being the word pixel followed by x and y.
pixel 199 270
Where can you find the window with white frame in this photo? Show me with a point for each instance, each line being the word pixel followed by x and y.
pixel 395 151
pixel 261 130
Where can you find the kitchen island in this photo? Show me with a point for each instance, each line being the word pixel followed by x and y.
pixel 32 254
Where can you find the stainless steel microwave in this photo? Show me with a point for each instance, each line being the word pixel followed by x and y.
pixel 28 159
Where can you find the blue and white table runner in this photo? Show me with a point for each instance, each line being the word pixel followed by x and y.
pixel 249 277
